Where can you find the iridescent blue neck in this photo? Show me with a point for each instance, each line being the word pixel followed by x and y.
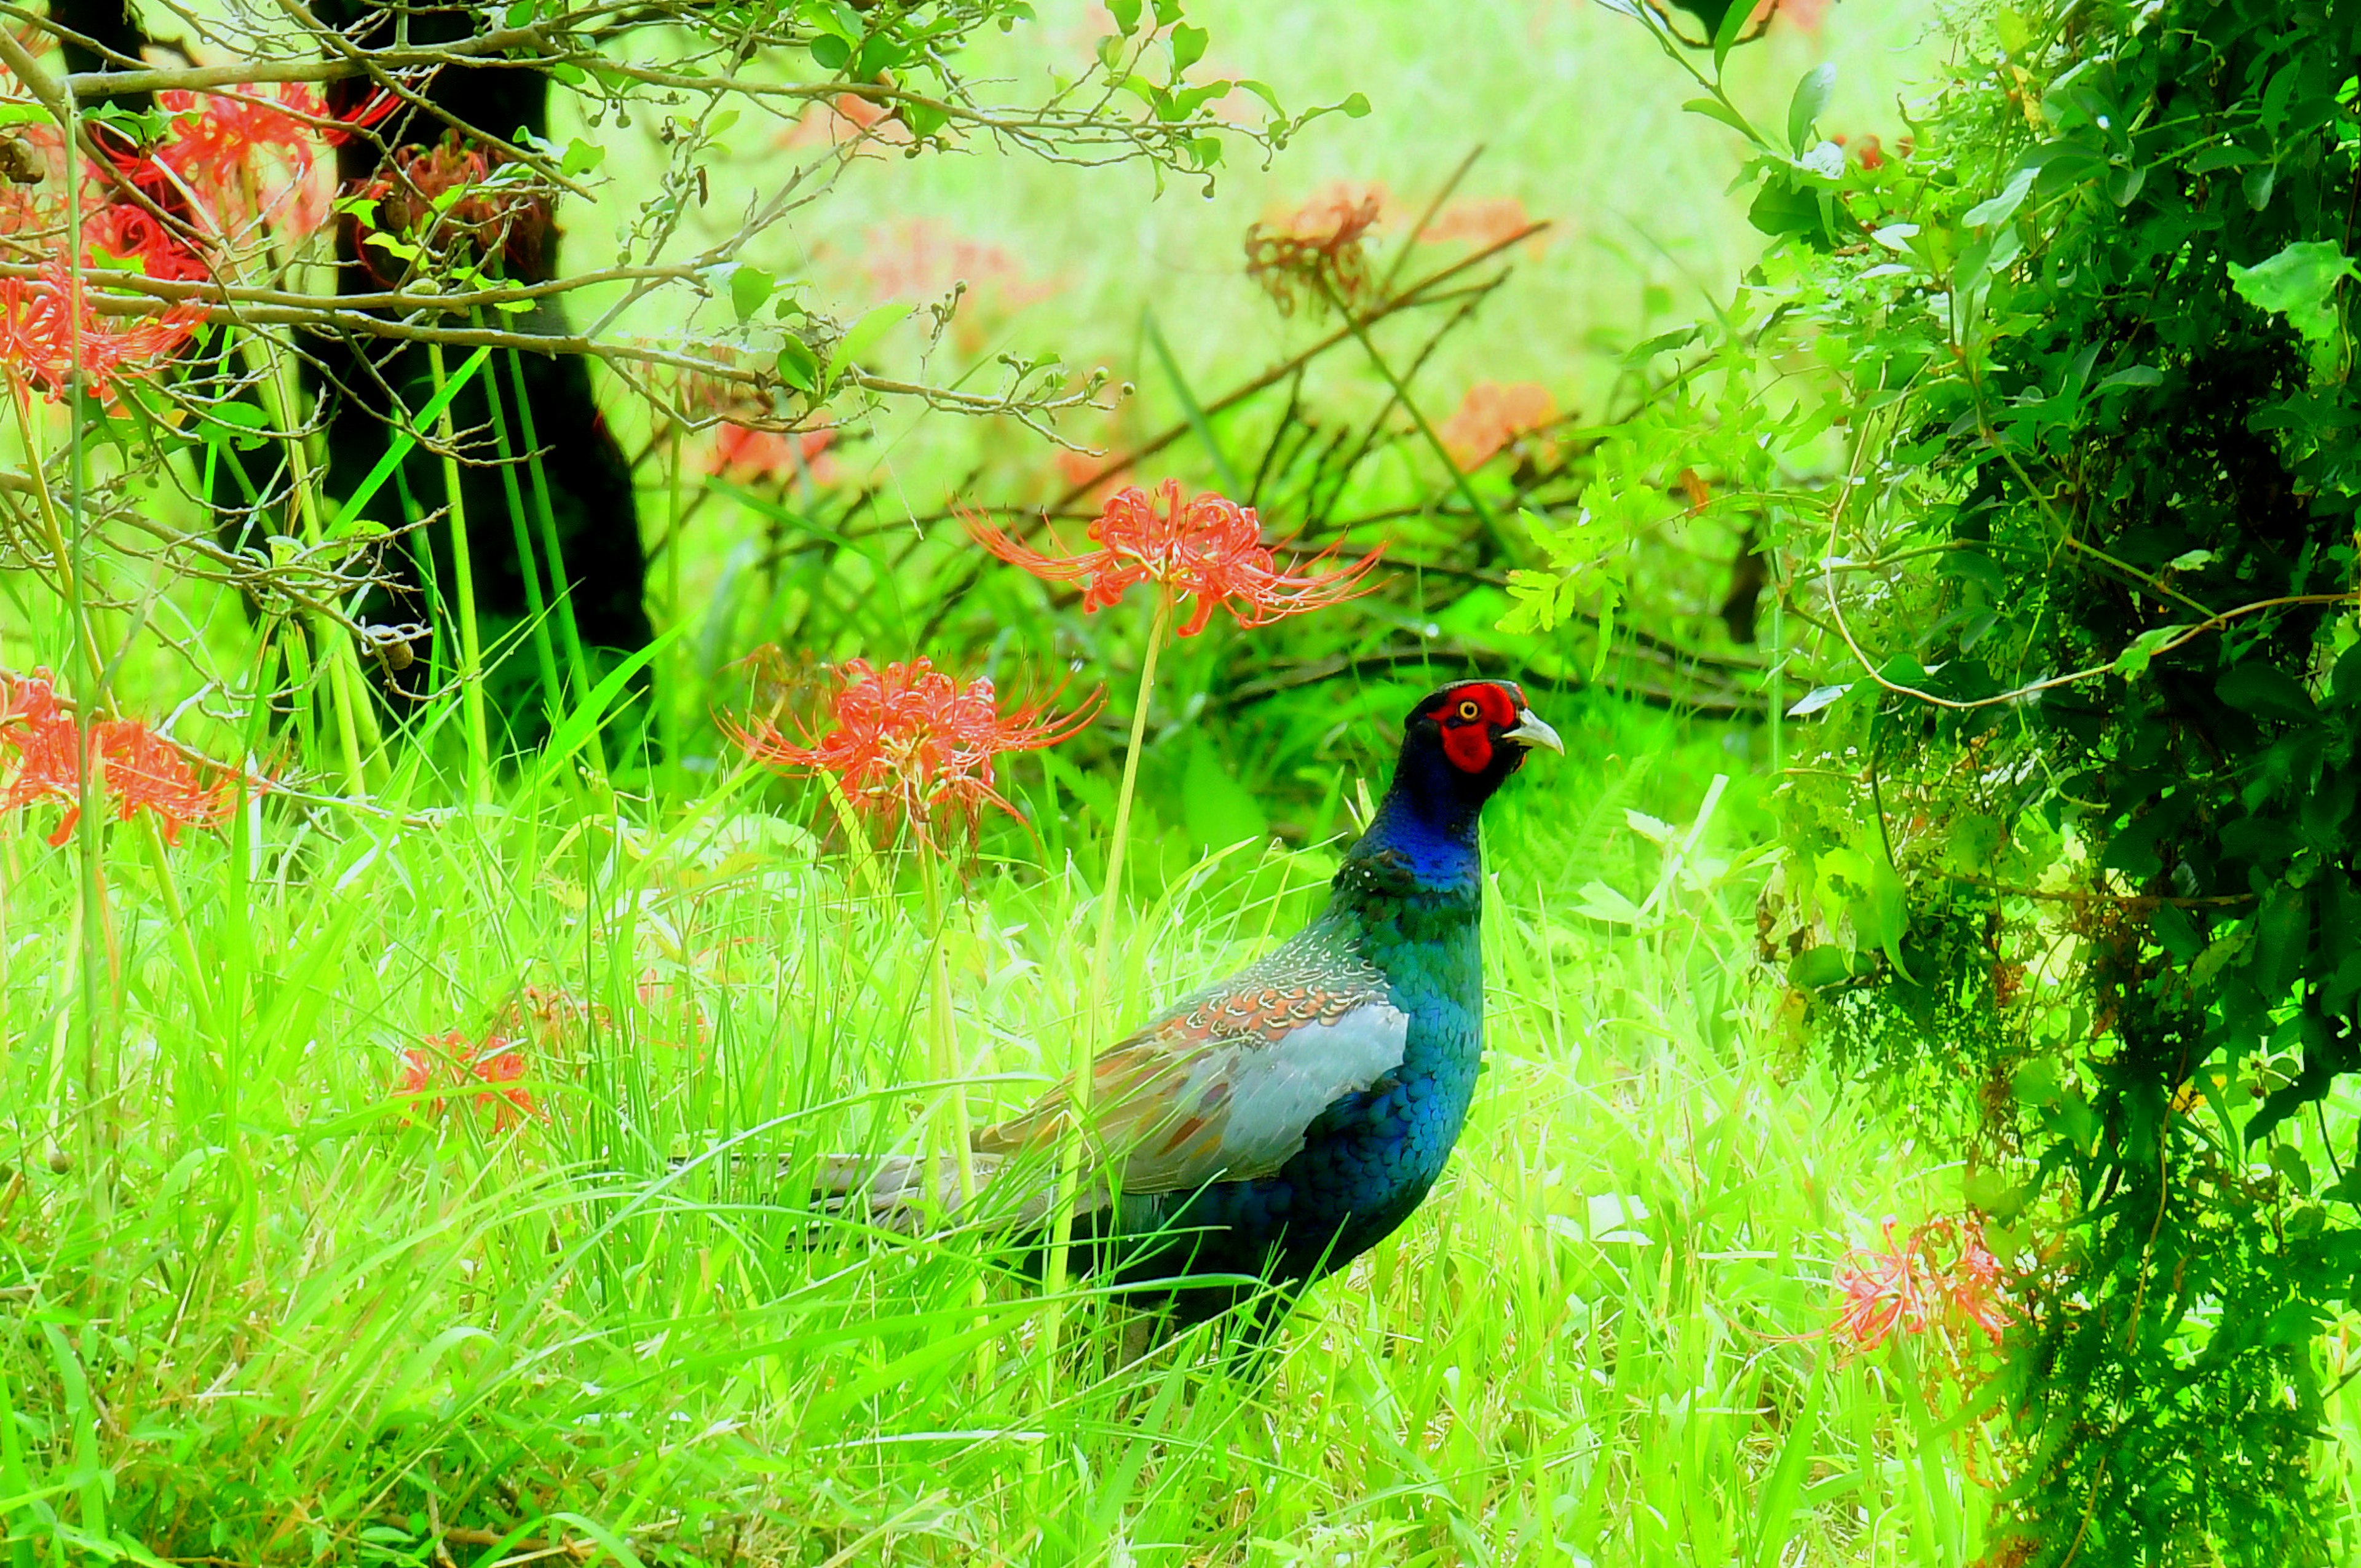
pixel 1427 821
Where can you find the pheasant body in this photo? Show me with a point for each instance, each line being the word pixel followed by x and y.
pixel 1279 1125
pixel 1370 1156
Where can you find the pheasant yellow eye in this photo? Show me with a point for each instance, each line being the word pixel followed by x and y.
pixel 1469 711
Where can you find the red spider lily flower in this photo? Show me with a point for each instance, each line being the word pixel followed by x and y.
pixel 1207 548
pixel 911 744
pixel 775 455
pixel 420 1070
pixel 1484 223
pixel 131 233
pixel 144 773
pixel 502 1062
pixel 215 136
pixel 444 200
pixel 46 318
pixel 1320 249
pixel 32 700
pixel 447 1060
pixel 1942 1274
pixel 139 768
pixel 1491 416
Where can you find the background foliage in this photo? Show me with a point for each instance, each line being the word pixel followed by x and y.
pixel 1949 627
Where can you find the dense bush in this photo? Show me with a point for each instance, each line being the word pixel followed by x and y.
pixel 2067 495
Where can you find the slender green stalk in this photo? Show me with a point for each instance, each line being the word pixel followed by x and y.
pixel 553 692
pixel 463 568
pixel 348 694
pixel 668 717
pixel 1778 678
pixel 946 1065
pixel 100 1074
pixel 1483 511
pixel 183 935
pixel 1087 1033
pixel 560 586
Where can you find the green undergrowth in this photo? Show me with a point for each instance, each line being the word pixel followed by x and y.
pixel 289 1315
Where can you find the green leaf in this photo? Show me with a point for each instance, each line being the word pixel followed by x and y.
pixel 2230 156
pixel 581 158
pixel 1188 48
pixel 1726 37
pixel 749 288
pixel 799 366
pixel 2001 208
pixel 1355 107
pixel 2344 679
pixel 2133 662
pixel 863 336
pixel 400 446
pixel 1610 594
pixel 2134 376
pixel 1816 699
pixel 1781 207
pixel 1714 109
pixel 830 52
pixel 1811 100
pixel 1815 968
pixel 1640 353
pixel 923 119
pixel 1126 13
pixel 2264 689
pixel 1262 89
pixel 240 424
pixel 1600 901
pixel 2297 284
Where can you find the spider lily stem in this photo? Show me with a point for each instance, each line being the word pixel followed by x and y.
pixel 1475 503
pixel 561 587
pixel 471 649
pixel 545 654
pixel 337 656
pixel 1086 1037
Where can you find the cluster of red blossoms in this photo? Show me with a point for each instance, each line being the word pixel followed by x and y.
pixel 1321 249
pixel 51 326
pixel 440 200
pixel 911 744
pixel 1942 1277
pixel 1205 547
pixel 137 768
pixel 448 1060
pixel 230 162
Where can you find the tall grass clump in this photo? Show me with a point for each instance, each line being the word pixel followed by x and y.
pixel 344 1294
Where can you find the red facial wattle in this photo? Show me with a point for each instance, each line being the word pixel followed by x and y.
pixel 1470 746
pixel 1469 716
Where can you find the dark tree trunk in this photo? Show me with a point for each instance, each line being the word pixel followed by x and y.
pixel 592 514
pixel 604 569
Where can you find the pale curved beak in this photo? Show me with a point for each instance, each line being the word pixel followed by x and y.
pixel 1531 732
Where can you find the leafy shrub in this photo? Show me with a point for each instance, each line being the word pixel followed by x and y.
pixel 2066 496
